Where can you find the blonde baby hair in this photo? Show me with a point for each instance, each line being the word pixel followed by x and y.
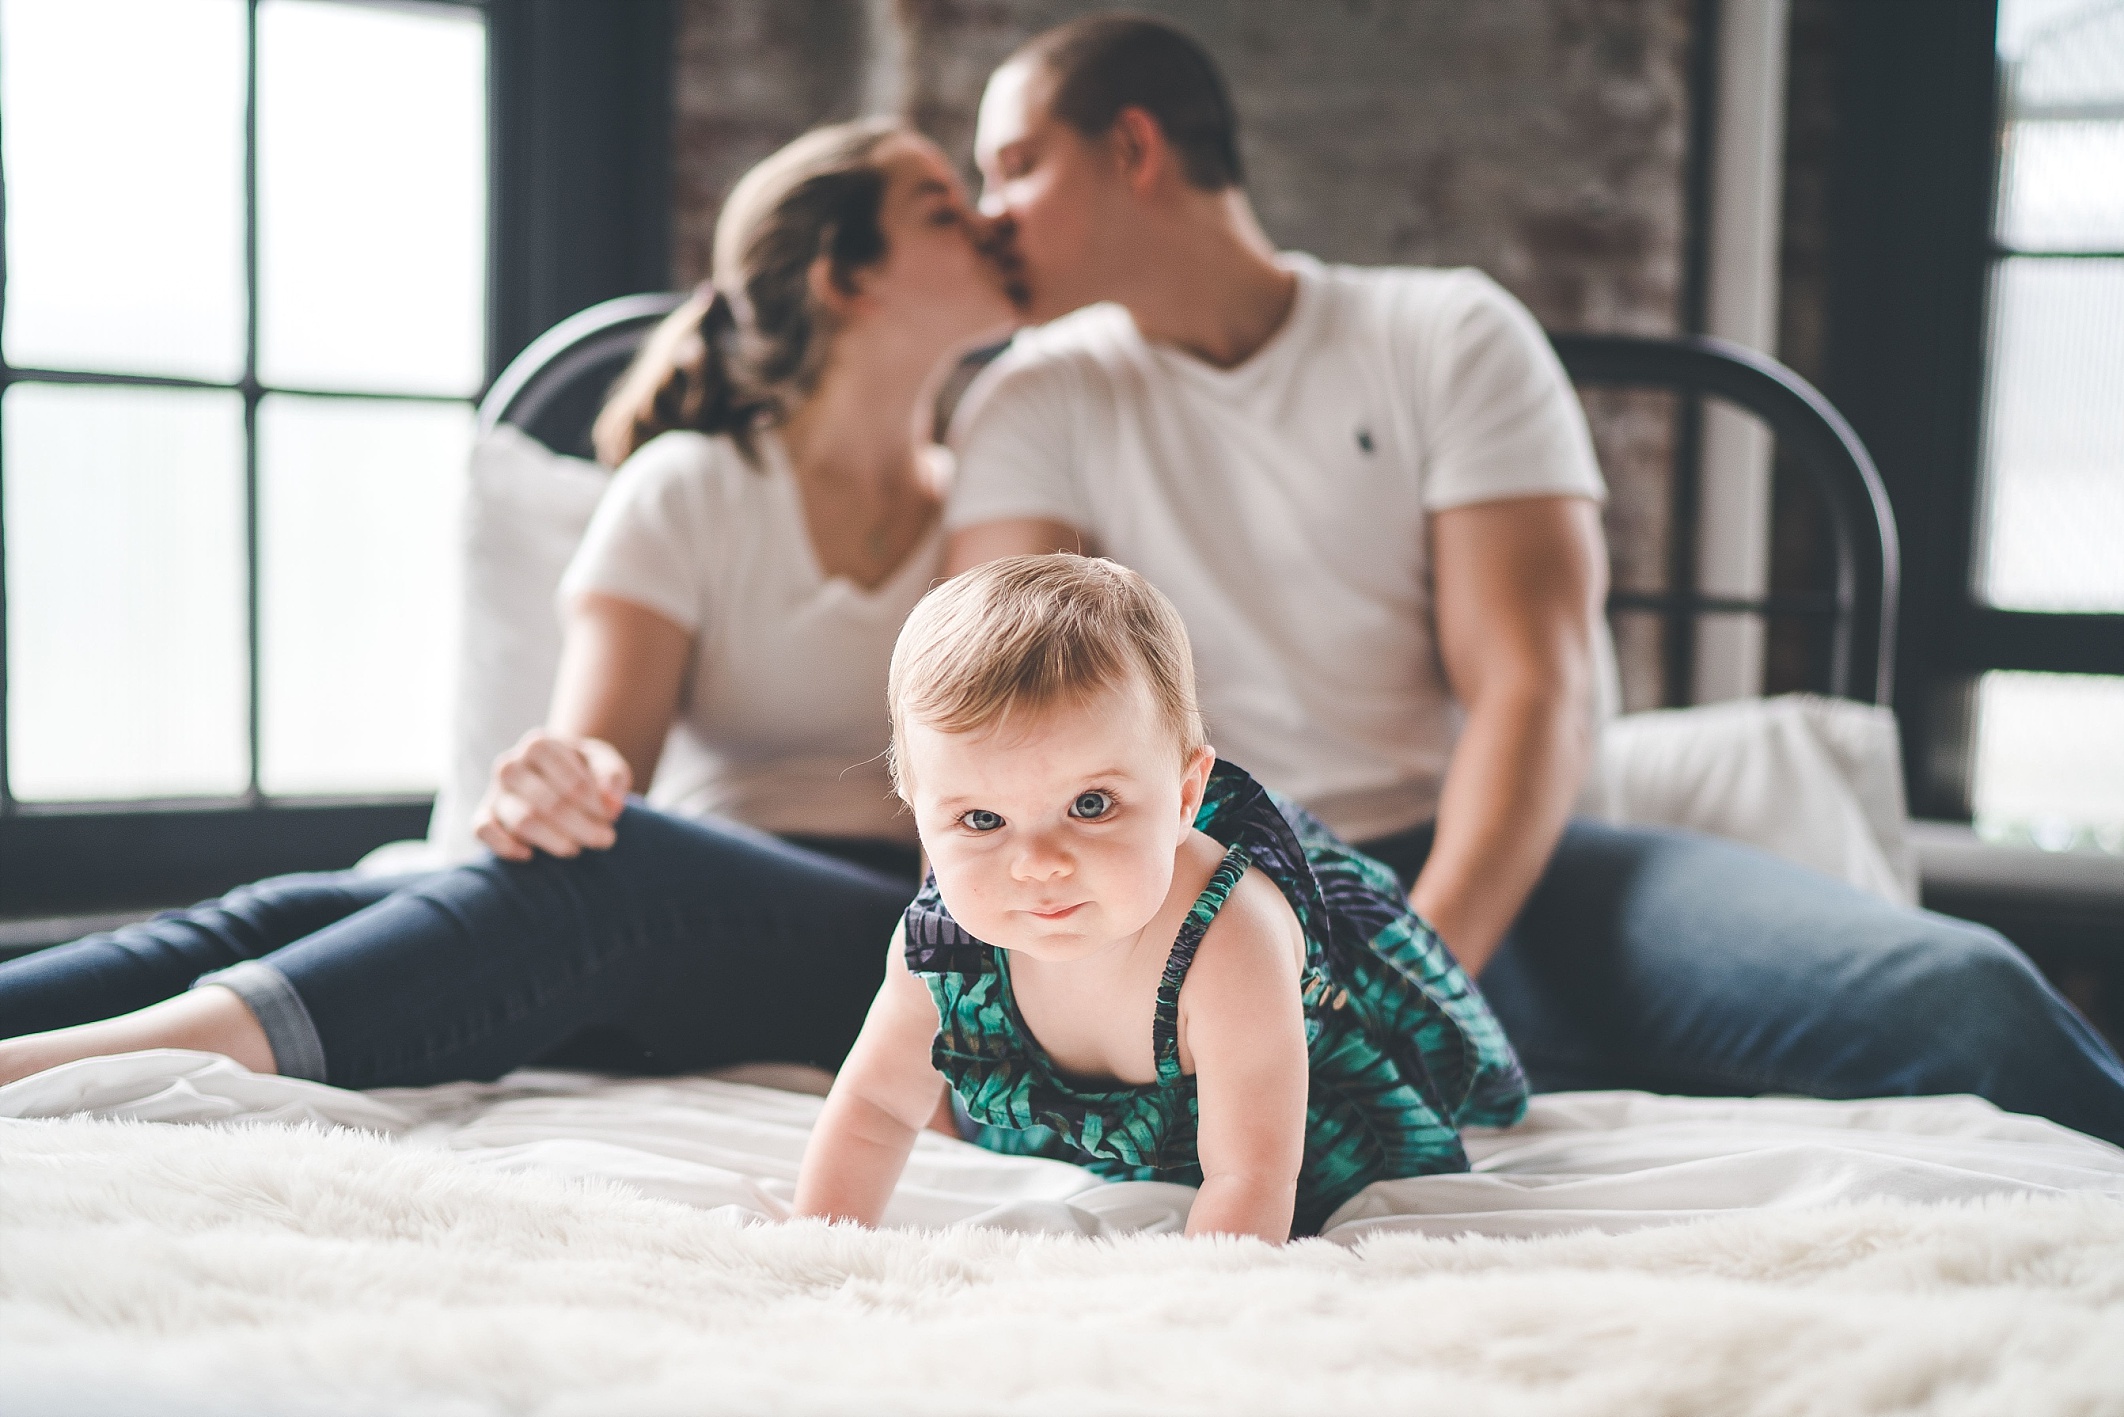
pixel 1026 633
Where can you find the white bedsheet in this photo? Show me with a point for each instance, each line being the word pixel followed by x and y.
pixel 1607 1161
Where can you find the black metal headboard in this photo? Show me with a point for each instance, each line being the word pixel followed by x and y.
pixel 1861 605
pixel 554 388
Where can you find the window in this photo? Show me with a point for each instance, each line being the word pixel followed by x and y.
pixel 1976 342
pixel 2049 753
pixel 242 324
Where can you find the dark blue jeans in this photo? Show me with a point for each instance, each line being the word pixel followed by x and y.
pixel 1676 962
pixel 687 945
pixel 1659 960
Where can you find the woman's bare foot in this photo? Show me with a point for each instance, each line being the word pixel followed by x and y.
pixel 208 1020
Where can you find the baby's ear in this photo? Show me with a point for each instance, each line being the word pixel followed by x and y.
pixel 1194 785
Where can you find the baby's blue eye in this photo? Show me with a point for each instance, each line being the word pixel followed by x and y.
pixel 1090 806
pixel 980 819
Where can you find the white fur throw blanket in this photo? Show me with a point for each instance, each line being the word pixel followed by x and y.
pixel 293 1269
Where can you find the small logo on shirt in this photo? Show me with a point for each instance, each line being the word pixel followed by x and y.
pixel 1364 441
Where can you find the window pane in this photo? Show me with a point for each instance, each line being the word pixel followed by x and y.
pixel 2050 760
pixel 123 139
pixel 372 197
pixel 358 508
pixel 2023 22
pixel 2061 187
pixel 2053 518
pixel 125 593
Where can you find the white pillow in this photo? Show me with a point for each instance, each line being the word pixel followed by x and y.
pixel 1814 780
pixel 525 511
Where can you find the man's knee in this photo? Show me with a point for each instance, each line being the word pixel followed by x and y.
pixel 1978 1001
pixel 1957 966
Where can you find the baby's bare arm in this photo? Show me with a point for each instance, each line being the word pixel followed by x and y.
pixel 1244 1024
pixel 883 1095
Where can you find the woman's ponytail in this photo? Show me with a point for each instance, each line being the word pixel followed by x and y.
pixel 681 378
pixel 745 347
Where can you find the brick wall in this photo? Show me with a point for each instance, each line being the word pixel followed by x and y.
pixel 749 75
pixel 1542 140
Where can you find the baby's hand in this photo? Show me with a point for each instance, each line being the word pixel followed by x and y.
pixel 1243 1023
pixel 884 1095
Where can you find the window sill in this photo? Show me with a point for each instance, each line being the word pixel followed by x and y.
pixel 103 861
pixel 1954 857
pixel 2045 901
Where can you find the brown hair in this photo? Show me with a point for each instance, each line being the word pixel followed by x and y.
pixel 1104 63
pixel 750 343
pixel 1028 632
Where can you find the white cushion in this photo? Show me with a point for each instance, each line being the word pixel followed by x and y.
pixel 525 510
pixel 1817 781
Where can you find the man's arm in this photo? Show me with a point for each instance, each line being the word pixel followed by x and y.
pixel 1017 536
pixel 1519 587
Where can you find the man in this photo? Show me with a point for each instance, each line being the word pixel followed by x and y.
pixel 1372 496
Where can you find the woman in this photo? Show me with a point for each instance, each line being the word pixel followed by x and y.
pixel 741 583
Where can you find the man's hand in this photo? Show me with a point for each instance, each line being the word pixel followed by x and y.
pixel 553 794
pixel 1520 588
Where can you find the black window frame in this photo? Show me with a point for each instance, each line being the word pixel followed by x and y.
pixel 1912 251
pixel 578 132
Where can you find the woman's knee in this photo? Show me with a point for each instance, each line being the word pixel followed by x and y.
pixel 647 839
pixel 285 908
pixel 725 860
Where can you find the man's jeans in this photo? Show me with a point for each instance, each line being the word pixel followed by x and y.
pixel 1676 962
pixel 687 945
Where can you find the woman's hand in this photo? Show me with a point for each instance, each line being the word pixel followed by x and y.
pixel 553 794
pixel 561 787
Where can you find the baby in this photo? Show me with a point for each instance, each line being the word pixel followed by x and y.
pixel 1130 955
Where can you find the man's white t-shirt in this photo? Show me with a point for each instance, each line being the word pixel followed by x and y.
pixel 782 721
pixel 1282 504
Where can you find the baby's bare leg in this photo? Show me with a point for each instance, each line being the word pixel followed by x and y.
pixel 944 1119
pixel 210 1019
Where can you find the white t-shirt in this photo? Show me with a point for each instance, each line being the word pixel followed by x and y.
pixel 1283 504
pixel 782 721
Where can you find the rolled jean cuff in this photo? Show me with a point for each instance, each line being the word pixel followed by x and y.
pixel 297 1050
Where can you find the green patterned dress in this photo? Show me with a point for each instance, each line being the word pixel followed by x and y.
pixel 1403 1050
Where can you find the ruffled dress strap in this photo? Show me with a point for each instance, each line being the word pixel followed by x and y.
pixel 1165 1023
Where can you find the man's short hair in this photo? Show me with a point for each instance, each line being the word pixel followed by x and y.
pixel 1027 633
pixel 1104 63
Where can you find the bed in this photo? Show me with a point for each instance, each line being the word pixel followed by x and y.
pixel 178 1235
pixel 559 1243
